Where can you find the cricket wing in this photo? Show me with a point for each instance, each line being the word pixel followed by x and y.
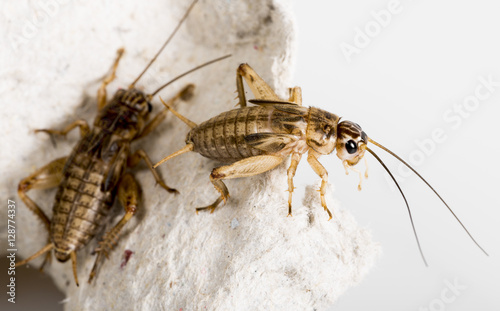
pixel 270 142
pixel 272 102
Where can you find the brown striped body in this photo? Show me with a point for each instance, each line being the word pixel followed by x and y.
pixel 226 137
pixel 86 194
pixel 92 172
pixel 223 137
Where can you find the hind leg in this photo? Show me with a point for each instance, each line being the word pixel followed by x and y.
pixel 128 195
pixel 243 168
pixel 259 87
pixel 290 174
pixel 46 177
pixel 82 124
pixel 295 95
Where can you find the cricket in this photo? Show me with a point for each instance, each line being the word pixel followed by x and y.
pixel 256 139
pixel 95 172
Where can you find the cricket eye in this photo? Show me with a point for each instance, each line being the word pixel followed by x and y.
pixel 150 107
pixel 351 146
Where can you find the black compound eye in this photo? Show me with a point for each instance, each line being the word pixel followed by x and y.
pixel 150 107
pixel 351 146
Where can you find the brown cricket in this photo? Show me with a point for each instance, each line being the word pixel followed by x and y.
pixel 95 172
pixel 258 138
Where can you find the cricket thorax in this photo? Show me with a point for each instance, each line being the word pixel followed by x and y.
pixel 321 132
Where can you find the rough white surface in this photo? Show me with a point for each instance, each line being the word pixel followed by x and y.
pixel 247 255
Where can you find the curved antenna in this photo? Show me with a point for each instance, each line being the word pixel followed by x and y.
pixel 164 44
pixel 188 72
pixel 425 181
pixel 407 206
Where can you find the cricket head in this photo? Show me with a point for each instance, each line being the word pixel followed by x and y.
pixel 351 142
pixel 126 114
pixel 134 100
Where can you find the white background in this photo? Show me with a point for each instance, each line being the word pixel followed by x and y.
pixel 423 62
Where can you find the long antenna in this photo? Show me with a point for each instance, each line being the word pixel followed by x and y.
pixel 416 173
pixel 407 206
pixel 164 44
pixel 188 72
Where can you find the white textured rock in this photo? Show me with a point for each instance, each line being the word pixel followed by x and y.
pixel 247 255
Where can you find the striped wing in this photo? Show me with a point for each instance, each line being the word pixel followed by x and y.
pixel 270 142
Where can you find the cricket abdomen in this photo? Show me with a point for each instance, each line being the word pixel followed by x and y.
pixel 223 137
pixel 81 204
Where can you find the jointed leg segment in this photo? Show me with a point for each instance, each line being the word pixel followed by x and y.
pixel 259 87
pixel 49 176
pixel 222 189
pixel 291 173
pixel 128 195
pixel 46 177
pixel 312 158
pixel 243 168
pixel 348 167
pixel 295 95
pixel 82 124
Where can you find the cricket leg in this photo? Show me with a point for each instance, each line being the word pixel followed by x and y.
pixel 259 87
pixel 295 95
pixel 291 173
pixel 82 124
pixel 243 168
pixel 348 167
pixel 312 158
pixel 128 195
pixel 101 93
pixel 185 94
pixel 242 101
pixel 139 155
pixel 46 177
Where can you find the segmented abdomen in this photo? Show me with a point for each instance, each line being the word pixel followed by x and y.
pixel 223 137
pixel 81 205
